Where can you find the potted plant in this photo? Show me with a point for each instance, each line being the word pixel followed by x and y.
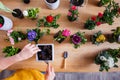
pixel 94 21
pixel 52 4
pixel 103 2
pixel 111 11
pixel 107 59
pixel 78 39
pixel 115 36
pixel 73 13
pixel 60 36
pixel 36 34
pixel 10 51
pixel 15 36
pixel 49 21
pixel 16 12
pixel 5 23
pixel 31 13
pixel 98 38
pixel 26 1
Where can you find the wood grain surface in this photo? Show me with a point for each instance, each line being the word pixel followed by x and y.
pixel 79 60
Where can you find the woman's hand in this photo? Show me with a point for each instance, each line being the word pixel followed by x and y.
pixel 50 74
pixel 28 51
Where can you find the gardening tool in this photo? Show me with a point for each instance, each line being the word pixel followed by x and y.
pixel 65 56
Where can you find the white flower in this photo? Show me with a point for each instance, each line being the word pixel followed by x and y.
pixel 102 58
pixel 119 38
pixel 19 39
pixel 25 13
pixel 109 62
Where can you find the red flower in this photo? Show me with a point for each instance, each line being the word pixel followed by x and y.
pixel 1 25
pixel 93 18
pixel 100 15
pixel 98 23
pixel 119 10
pixel 49 18
pixel 73 7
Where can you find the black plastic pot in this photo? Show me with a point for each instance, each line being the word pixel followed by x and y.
pixel 60 40
pixel 51 1
pixel 100 4
pixel 26 1
pixel 77 2
pixel 2 19
pixel 18 13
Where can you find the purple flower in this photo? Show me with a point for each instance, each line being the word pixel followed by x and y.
pixel 76 39
pixel 31 35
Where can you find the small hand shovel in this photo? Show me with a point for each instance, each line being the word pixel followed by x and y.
pixel 65 55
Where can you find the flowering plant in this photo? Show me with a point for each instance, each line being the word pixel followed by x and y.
pixel 98 38
pixel 62 35
pixel 10 51
pixel 78 39
pixel 73 13
pixel 15 36
pixel 49 21
pixel 93 21
pixel 115 37
pixel 111 11
pixel 36 34
pixel 31 13
pixel 1 21
pixel 107 59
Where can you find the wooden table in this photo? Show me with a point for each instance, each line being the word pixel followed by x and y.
pixel 79 60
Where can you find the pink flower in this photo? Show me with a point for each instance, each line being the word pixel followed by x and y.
pixel 11 40
pixel 1 25
pixel 73 8
pixel 98 23
pixel 66 33
pixel 100 15
pixel 9 32
pixel 93 18
pixel 75 16
pixel 69 13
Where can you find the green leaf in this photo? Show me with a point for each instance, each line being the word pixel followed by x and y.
pixel 10 51
pixel 57 16
pixel 4 8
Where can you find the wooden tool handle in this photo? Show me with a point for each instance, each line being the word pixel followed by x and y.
pixel 64 64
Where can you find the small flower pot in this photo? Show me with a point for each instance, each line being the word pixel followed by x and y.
pixel 7 23
pixel 18 13
pixel 79 2
pixel 100 4
pixel 26 1
pixel 57 38
pixel 52 4
pixel 46 53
